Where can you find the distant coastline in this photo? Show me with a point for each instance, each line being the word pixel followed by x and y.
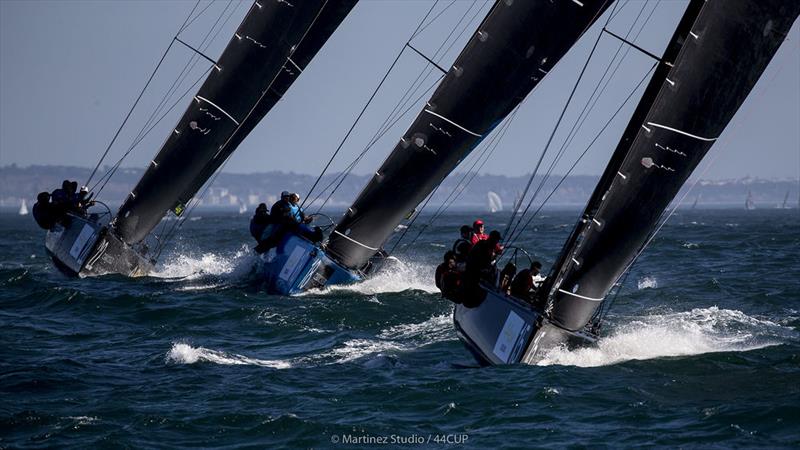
pixel 230 190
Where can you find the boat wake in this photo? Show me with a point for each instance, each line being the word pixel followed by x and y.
pixel 699 331
pixel 395 276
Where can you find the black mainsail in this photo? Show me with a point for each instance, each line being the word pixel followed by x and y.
pixel 716 56
pixel 515 46
pixel 271 47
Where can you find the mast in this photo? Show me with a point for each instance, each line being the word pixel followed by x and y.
pixel 718 52
pixel 515 46
pixel 269 50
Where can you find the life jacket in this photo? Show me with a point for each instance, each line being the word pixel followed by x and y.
pixel 477 237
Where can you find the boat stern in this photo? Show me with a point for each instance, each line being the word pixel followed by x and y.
pixel 506 330
pixel 84 247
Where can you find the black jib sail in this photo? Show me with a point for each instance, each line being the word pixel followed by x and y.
pixel 718 52
pixel 271 47
pixel 515 46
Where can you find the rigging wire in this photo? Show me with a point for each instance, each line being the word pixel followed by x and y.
pixel 179 80
pixel 481 157
pixel 188 67
pixel 460 188
pixel 552 134
pixel 140 137
pixel 366 105
pixel 583 116
pixel 589 146
pixel 139 97
pixel 340 178
pixel 512 230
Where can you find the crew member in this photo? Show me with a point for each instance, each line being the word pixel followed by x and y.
pixel 527 281
pixel 462 246
pixel 61 197
pixel 281 211
pixel 259 222
pixel 44 213
pixel 477 232
pixel 448 278
pixel 297 213
pixel 480 267
pixel 505 277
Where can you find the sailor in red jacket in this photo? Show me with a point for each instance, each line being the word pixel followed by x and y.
pixel 477 232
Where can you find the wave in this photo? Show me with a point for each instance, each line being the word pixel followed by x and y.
pixel 190 266
pixel 695 332
pixel 398 338
pixel 182 353
pixel 647 283
pixel 395 276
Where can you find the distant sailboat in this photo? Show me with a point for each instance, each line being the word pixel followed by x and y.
pixel 495 203
pixel 749 204
pixel 696 199
pixel 242 208
pixel 23 208
pixel 785 204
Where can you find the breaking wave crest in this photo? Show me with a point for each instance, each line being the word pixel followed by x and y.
pixel 399 338
pixel 699 331
pixel 193 266
pixel 394 276
pixel 181 353
pixel 647 283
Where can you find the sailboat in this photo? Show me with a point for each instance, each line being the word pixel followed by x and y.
pixel 749 204
pixel 513 49
pixel 494 201
pixel 23 208
pixel 275 41
pixel 785 204
pixel 696 199
pixel 242 208
pixel 717 53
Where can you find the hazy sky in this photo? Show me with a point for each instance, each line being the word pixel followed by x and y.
pixel 70 70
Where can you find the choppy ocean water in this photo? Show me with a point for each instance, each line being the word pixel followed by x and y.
pixel 702 349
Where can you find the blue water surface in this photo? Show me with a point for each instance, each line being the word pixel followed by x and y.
pixel 701 349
